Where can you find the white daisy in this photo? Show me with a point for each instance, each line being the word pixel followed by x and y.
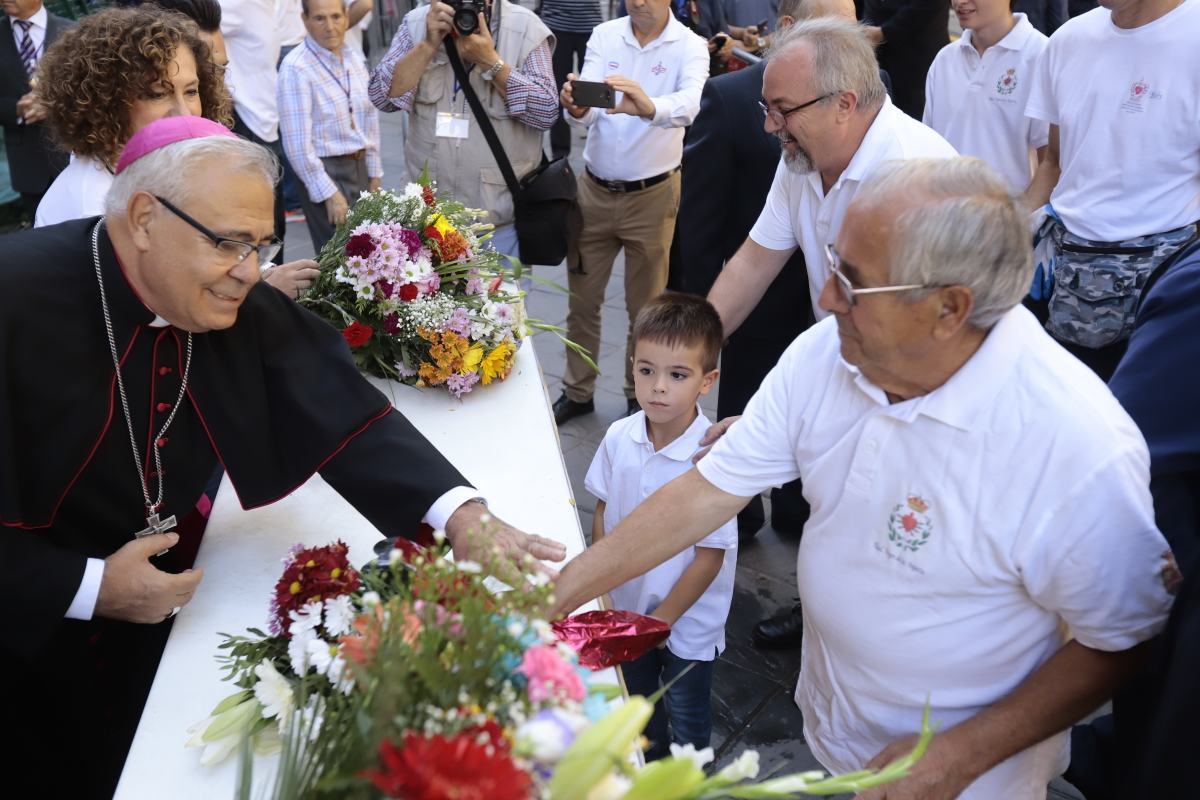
pixel 274 692
pixel 298 650
pixel 320 654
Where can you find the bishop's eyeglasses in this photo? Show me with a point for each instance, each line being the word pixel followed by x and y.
pixel 233 249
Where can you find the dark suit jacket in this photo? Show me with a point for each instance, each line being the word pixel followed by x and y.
pixel 914 31
pixel 729 164
pixel 33 160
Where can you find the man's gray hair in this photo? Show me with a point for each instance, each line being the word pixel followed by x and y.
pixel 800 10
pixel 843 59
pixel 960 227
pixel 170 171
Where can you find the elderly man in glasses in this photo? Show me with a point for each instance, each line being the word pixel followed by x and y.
pixel 957 553
pixel 139 349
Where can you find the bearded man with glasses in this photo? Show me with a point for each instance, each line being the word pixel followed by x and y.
pixel 957 557
pixel 147 334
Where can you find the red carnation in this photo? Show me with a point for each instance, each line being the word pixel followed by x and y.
pixel 458 768
pixel 409 292
pixel 314 573
pixel 360 244
pixel 356 334
pixel 427 195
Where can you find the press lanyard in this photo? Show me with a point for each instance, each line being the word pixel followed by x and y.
pixel 345 89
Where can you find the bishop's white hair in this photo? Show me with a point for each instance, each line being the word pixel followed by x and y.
pixel 169 171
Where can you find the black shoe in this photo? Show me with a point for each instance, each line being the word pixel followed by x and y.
pixel 565 408
pixel 631 406
pixel 781 631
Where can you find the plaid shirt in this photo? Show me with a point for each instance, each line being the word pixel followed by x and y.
pixel 315 114
pixel 531 94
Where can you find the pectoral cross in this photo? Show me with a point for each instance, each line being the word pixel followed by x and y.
pixel 155 525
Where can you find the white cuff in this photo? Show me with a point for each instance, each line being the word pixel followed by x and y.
pixel 84 604
pixel 439 513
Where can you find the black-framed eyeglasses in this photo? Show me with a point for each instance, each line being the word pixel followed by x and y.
pixel 780 115
pixel 850 293
pixel 233 249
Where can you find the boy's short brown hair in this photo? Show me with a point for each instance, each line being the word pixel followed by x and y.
pixel 675 319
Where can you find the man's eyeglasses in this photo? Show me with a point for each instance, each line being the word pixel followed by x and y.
pixel 233 249
pixel 849 293
pixel 779 115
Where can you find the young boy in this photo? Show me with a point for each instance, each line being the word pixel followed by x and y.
pixel 976 89
pixel 676 341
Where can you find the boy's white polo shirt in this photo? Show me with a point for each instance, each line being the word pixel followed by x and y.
pixel 950 534
pixel 799 213
pixel 624 472
pixel 978 102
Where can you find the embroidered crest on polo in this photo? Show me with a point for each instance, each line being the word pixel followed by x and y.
pixel 658 69
pixel 614 65
pixel 909 526
pixel 1007 83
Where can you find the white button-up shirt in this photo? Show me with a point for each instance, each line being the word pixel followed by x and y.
pixel 671 70
pixel 799 213
pixel 37 32
pixel 978 102
pixel 624 472
pixel 950 536
pixel 252 39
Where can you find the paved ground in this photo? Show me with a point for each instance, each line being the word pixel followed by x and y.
pixel 752 691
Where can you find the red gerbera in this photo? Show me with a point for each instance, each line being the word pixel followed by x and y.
pixel 314 573
pixel 409 292
pixel 356 334
pixel 438 768
pixel 360 244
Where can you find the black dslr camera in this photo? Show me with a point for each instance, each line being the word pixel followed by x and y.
pixel 466 15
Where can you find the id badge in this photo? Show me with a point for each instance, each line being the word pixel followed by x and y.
pixel 451 126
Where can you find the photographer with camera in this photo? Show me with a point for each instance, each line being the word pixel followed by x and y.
pixel 506 50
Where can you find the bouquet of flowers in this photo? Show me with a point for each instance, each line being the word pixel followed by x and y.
pixel 419 295
pixel 413 678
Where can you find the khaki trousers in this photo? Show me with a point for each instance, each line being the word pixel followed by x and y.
pixel 642 222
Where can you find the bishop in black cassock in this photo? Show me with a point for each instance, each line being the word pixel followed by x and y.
pixel 273 399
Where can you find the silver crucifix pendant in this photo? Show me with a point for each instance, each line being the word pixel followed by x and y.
pixel 154 525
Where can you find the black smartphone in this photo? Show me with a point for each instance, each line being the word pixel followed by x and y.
pixel 719 40
pixel 761 27
pixel 593 94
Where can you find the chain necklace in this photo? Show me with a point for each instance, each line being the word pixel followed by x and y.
pixel 153 524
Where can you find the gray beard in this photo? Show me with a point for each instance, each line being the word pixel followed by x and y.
pixel 798 161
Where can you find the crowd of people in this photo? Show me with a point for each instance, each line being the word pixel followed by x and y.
pixel 949 288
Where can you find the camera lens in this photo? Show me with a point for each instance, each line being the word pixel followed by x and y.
pixel 466 20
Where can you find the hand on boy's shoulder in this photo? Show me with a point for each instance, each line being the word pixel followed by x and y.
pixel 714 432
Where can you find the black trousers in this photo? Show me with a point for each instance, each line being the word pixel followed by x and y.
pixel 569 48
pixel 275 147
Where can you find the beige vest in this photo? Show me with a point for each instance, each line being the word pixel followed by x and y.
pixel 465 169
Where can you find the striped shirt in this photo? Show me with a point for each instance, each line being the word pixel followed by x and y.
pixel 324 111
pixel 531 94
pixel 571 16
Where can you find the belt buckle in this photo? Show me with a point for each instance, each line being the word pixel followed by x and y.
pixel 615 186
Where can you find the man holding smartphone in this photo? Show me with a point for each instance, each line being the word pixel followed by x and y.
pixel 629 197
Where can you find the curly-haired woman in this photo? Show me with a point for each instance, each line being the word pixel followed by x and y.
pixel 113 74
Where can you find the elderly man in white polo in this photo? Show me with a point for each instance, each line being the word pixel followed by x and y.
pixel 982 536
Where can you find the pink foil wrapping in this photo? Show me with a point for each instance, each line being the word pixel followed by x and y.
pixel 607 638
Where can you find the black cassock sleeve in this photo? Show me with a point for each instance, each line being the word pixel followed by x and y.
pixel 387 474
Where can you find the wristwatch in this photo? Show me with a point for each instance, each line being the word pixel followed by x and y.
pixel 492 71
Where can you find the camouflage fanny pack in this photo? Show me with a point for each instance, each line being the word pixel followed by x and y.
pixel 1097 284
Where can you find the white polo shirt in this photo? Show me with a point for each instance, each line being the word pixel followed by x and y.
pixel 950 534
pixel 1127 103
pixel 624 472
pixel 978 102
pixel 671 70
pixel 252 39
pixel 799 213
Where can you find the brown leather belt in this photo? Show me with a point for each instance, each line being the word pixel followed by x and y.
pixel 630 186
pixel 359 156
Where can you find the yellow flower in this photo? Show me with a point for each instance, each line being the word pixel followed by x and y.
pixel 472 358
pixel 498 363
pixel 442 225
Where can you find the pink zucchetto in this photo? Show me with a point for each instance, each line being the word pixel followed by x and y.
pixel 165 131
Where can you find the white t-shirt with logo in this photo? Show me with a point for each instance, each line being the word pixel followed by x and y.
pixel 797 211
pixel 978 102
pixel 624 472
pixel 1127 103
pixel 950 535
